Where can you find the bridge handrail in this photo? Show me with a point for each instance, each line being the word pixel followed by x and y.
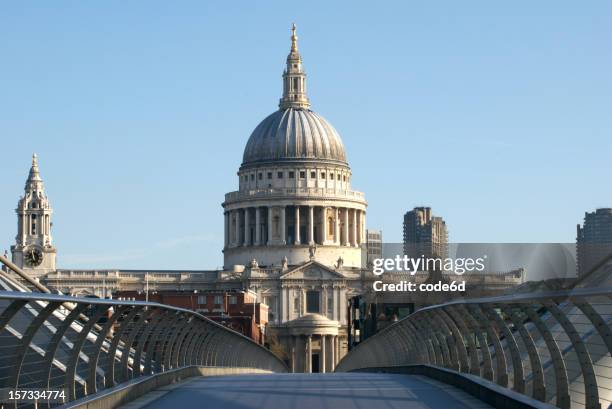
pixel 544 344
pixel 50 341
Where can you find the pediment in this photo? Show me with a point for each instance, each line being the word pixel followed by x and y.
pixel 312 271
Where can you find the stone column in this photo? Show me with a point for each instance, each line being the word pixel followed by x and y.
pixel 247 236
pixel 332 351
pixel 347 241
pixel 363 226
pixel 297 225
pixel 322 357
pixel 237 233
pixel 226 230
pixel 283 229
pixel 324 301
pixel 257 226
pixel 358 239
pixel 354 243
pixel 336 226
pixel 21 227
pixel 342 312
pixel 309 354
pixel 293 342
pixel 289 304
pixel 334 291
pixel 358 236
pixel 337 348
pixel 283 297
pixel 310 225
pixel 324 224
pixel 269 225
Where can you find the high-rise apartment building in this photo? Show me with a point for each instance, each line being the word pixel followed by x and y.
pixel 424 234
pixel 373 245
pixel 593 239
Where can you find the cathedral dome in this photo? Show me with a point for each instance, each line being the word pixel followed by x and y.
pixel 294 134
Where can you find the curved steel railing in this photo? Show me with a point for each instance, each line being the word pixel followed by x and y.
pixel 84 345
pixel 555 347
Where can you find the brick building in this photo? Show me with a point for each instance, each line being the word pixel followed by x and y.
pixel 238 310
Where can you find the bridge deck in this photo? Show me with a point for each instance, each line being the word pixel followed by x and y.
pixel 296 391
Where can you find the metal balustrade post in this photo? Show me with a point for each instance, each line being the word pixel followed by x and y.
pixel 52 346
pixel 448 339
pixel 109 379
pixel 436 333
pixel 426 348
pixel 73 361
pixel 407 342
pixel 10 312
pixel 92 386
pixel 26 339
pixel 458 341
pixel 197 344
pixel 144 340
pixel 228 351
pixel 430 354
pixel 539 387
pixel 184 343
pixel 178 352
pixel 170 343
pixel 211 349
pixel 584 358
pixel 218 352
pixel 487 368
pixel 191 340
pixel 518 378
pixel 204 349
pixel 600 325
pixel 561 381
pixel 501 369
pixel 153 354
pixel 143 319
pixel 387 349
pixel 465 333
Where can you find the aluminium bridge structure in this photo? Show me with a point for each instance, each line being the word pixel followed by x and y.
pixel 523 350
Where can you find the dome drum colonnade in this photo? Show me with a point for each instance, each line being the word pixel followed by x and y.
pixel 270 225
pixel 294 188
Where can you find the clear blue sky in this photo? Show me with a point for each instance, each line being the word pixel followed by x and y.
pixel 498 115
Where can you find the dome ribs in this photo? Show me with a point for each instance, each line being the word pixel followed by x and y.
pixel 294 133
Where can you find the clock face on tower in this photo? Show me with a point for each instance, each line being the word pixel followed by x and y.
pixel 33 256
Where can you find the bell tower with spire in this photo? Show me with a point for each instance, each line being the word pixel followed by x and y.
pixel 33 250
pixel 294 79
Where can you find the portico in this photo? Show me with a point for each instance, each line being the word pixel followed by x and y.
pixel 313 340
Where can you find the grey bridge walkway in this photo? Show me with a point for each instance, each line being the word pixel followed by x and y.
pixel 321 391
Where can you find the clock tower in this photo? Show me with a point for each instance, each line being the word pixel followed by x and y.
pixel 33 250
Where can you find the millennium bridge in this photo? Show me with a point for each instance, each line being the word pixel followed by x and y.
pixel 520 351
